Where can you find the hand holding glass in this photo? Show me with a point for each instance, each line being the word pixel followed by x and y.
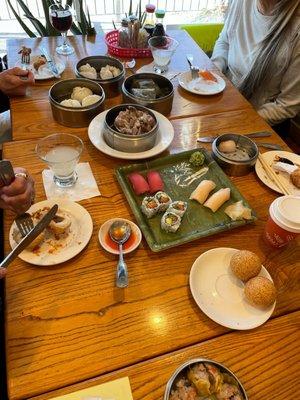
pixel 61 20
pixel 61 152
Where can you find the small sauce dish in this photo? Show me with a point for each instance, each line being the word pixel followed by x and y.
pixel 109 245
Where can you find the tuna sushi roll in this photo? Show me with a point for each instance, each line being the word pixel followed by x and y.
pixel 164 200
pixel 150 206
pixel 178 207
pixel 155 182
pixel 170 222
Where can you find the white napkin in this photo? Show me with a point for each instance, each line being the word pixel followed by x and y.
pixel 84 188
pixel 170 74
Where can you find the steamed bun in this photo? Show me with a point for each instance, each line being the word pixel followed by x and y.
pixel 91 99
pixel 88 71
pixel 79 93
pixel 70 103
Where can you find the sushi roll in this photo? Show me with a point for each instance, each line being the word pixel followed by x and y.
pixel 178 207
pixel 170 222
pixel 150 206
pixel 164 200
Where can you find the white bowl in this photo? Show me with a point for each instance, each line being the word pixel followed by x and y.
pixel 103 232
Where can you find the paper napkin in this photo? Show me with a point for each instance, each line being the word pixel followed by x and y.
pixel 84 188
pixel 170 74
pixel 114 390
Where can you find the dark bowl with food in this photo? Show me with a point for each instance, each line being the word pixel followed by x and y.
pixel 130 128
pixel 203 378
pixel 149 90
pixel 71 116
pixel 113 80
pixel 236 154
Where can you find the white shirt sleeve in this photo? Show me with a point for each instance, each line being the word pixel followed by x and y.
pixel 220 53
pixel 287 104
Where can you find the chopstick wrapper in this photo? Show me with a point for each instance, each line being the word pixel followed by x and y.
pixel 84 188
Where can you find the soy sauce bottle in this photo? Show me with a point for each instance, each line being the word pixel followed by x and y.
pixel 149 24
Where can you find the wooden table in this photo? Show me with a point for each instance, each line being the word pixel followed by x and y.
pixel 69 324
pixel 37 105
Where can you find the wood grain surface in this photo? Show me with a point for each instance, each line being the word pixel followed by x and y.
pixel 69 323
pixel 266 360
pixel 36 103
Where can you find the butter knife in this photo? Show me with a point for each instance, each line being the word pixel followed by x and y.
pixel 41 225
pixel 50 62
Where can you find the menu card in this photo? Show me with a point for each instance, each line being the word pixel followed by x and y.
pixel 114 390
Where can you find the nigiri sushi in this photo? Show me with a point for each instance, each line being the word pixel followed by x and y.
pixel 202 191
pixel 217 199
pixel 155 182
pixel 170 222
pixel 139 183
pixel 178 207
pixel 207 75
pixel 164 200
pixel 150 206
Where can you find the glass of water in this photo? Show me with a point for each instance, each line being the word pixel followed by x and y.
pixel 163 48
pixel 61 152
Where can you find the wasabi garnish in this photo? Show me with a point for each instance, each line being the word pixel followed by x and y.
pixel 197 159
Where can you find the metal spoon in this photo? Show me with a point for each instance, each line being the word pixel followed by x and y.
pixel 210 139
pixel 120 232
pixel 130 65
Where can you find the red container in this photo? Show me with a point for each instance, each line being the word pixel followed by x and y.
pixel 281 227
pixel 112 39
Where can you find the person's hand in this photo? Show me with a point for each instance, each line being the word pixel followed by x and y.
pixel 19 195
pixel 12 82
pixel 2 272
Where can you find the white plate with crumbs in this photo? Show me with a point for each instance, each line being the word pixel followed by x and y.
pixel 55 248
pixel 164 138
pixel 201 86
pixel 269 156
pixel 220 295
pixel 44 72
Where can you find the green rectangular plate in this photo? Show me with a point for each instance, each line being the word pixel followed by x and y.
pixel 198 221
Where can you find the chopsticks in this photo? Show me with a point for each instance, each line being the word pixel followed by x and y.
pixel 272 175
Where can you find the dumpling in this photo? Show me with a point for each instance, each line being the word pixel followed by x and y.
pixel 105 73
pixel 91 99
pixel 79 93
pixel 70 103
pixel 88 71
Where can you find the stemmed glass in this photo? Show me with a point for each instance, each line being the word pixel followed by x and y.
pixel 61 152
pixel 163 48
pixel 61 20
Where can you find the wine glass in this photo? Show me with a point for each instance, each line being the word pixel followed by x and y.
pixel 61 152
pixel 61 20
pixel 163 48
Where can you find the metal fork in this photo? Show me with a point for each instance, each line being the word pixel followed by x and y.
pixel 24 224
pixel 25 61
pixel 194 70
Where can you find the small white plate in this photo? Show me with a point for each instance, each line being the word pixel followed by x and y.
pixel 103 232
pixel 44 72
pixel 220 294
pixel 269 157
pixel 80 233
pixel 164 138
pixel 204 87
